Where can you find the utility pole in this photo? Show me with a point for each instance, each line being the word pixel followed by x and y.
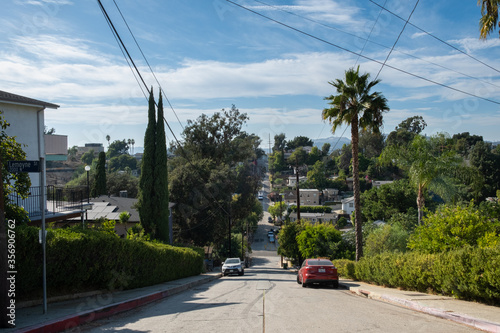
pixel 298 194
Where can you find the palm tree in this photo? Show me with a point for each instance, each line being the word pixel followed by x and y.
pixel 129 142
pixel 133 143
pixel 489 18
pixel 108 138
pixel 427 167
pixel 356 106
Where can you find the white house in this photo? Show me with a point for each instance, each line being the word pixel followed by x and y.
pixel 348 205
pixel 26 118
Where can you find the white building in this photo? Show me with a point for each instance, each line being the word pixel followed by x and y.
pixel 348 205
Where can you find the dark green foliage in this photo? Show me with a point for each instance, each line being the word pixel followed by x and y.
pixel 288 246
pixel 88 157
pixel 161 209
pixel 467 273
pixel 345 268
pixel 122 162
pixel 99 185
pixel 320 240
pixel 117 148
pixel 383 202
pixel 299 141
pixel 89 259
pixel 146 183
pixel 123 182
pixel 392 238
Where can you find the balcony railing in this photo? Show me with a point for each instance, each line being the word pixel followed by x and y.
pixel 58 200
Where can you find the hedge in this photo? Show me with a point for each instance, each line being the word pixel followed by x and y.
pixel 311 209
pixel 468 273
pixel 89 259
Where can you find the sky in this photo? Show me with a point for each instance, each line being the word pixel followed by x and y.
pixel 273 61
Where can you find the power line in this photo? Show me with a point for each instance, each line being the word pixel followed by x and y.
pixel 437 38
pixel 147 62
pixel 367 40
pixel 397 39
pixel 363 56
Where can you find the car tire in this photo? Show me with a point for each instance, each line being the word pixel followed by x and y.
pixel 242 273
pixel 304 285
pixel 298 280
pixel 335 284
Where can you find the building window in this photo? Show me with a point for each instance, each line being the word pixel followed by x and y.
pixel 351 204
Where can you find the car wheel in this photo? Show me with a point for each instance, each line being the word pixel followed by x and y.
pixel 304 284
pixel 335 284
pixel 298 281
pixel 240 274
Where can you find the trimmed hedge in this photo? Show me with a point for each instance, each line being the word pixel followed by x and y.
pixel 469 273
pixel 311 209
pixel 88 259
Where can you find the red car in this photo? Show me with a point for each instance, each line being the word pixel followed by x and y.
pixel 320 271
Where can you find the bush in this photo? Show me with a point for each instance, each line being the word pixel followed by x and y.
pixel 468 273
pixel 80 259
pixel 345 268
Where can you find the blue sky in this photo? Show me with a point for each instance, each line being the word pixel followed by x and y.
pixel 210 54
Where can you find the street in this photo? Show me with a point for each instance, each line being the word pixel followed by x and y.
pixel 267 298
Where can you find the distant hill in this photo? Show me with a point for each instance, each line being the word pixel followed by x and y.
pixel 335 142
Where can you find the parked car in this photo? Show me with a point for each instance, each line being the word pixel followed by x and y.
pixel 271 238
pixel 233 266
pixel 320 271
pixel 270 219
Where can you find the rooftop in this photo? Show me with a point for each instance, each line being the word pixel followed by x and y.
pixel 22 100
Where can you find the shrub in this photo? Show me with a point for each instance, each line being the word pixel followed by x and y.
pixel 80 259
pixel 345 268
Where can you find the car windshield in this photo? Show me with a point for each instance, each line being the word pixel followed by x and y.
pixel 319 262
pixel 232 261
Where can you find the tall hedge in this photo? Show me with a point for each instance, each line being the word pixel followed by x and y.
pixel 89 259
pixel 469 273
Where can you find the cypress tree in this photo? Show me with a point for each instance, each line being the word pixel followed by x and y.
pixel 146 202
pixel 100 176
pixel 161 178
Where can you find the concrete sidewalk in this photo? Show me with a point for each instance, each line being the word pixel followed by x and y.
pixel 66 315
pixel 479 316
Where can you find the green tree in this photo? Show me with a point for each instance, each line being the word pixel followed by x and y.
pixel 72 153
pixel 320 240
pixel 317 175
pixel 388 238
pixel 107 139
pixel 298 157
pixel 277 209
pixel 146 182
pixel 357 106
pixel 121 162
pixel 314 156
pixel 88 157
pixel 161 178
pixel 99 185
pixel 489 17
pixel 426 166
pixel 325 149
pixel 406 131
pixel 299 141
pixel 487 163
pixel 117 148
pixel 288 246
pixel 371 144
pixel 453 227
pixel 279 142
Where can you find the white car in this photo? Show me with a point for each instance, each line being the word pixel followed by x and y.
pixel 233 266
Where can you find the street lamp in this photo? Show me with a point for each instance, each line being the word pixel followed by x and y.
pixel 87 168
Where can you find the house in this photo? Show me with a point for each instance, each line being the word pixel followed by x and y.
pixel 26 118
pixel 314 218
pixel 348 205
pixel 331 195
pixel 292 180
pixel 96 147
pixel 378 183
pixel 309 197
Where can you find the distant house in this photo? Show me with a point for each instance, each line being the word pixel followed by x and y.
pixel 330 194
pixel 292 180
pixel 314 218
pixel 348 205
pixel 308 197
pixel 378 183
pixel 96 147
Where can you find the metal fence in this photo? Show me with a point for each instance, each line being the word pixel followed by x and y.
pixel 58 199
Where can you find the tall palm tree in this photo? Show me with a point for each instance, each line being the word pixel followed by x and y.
pixel 133 143
pixel 356 106
pixel 108 138
pixel 129 142
pixel 427 167
pixel 489 18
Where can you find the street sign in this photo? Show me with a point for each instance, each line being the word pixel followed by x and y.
pixel 23 166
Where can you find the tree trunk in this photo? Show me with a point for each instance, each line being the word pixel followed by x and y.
pixel 420 204
pixel 356 188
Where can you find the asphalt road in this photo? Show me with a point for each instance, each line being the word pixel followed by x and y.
pixel 267 298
